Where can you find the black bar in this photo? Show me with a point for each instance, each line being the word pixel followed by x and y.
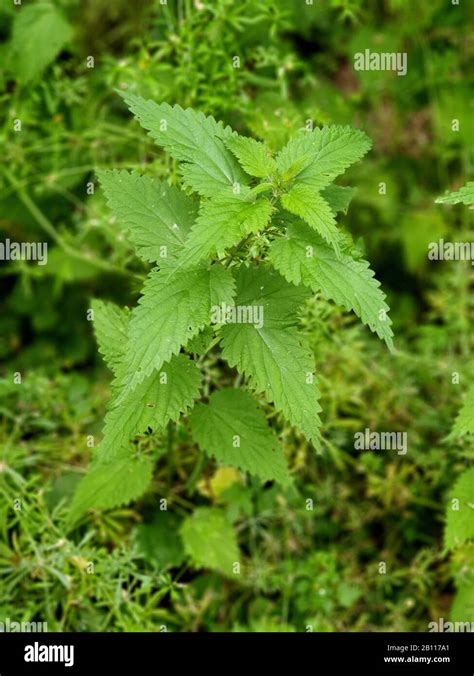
pixel 150 653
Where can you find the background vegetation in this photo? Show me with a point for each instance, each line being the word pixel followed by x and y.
pixel 126 569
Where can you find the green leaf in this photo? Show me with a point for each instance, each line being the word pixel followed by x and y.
pixel 460 511
pixel 210 541
pixel 159 541
pixel 303 258
pixel 273 356
pixel 338 197
pixel 253 155
pixel 316 158
pixel 221 223
pixel 110 328
pixel 174 307
pixel 162 396
pixel 309 205
pixel 462 609
pixel 191 138
pixel 464 423
pixel 39 34
pixel 464 195
pixel 157 216
pixel 200 343
pixel 233 429
pixel 108 485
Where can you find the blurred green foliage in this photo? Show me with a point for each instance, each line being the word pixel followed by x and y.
pixel 264 66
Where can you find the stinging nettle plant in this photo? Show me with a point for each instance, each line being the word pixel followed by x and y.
pixel 248 230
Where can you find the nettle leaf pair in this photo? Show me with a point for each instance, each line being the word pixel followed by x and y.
pixel 249 239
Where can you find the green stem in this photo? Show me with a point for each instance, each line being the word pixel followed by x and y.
pixel 46 225
pixel 169 448
pixel 237 248
pixel 195 474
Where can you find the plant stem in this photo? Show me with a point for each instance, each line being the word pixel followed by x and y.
pixel 46 225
